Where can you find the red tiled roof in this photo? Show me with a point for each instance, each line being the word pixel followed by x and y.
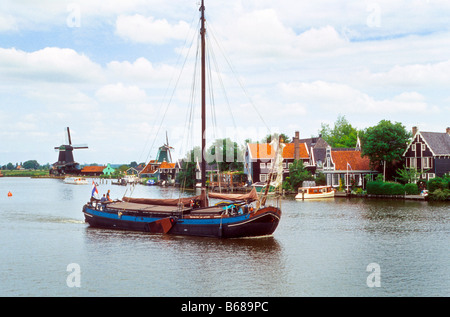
pixel 93 169
pixel 148 169
pixel 357 163
pixel 265 151
pixel 288 151
pixel 167 165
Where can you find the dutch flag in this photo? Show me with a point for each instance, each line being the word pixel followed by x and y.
pixel 94 189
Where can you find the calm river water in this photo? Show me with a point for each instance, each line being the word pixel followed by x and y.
pixel 321 248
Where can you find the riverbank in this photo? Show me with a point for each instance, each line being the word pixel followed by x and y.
pixel 407 197
pixel 25 173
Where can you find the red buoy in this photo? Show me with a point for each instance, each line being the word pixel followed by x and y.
pixel 9 194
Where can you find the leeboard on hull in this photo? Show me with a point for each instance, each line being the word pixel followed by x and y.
pixel 260 223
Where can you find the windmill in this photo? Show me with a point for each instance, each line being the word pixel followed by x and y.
pixel 66 163
pixel 164 152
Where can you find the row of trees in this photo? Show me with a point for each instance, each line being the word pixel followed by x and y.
pixel 383 143
pixel 28 165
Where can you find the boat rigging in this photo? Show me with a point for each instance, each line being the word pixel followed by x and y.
pixel 238 217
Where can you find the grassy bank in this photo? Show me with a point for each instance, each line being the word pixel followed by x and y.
pixel 24 173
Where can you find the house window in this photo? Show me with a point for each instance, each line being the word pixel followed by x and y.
pixel 263 177
pixel 262 165
pixel 269 165
pixel 426 162
pixel 335 180
pixel 412 162
pixel 290 164
pixel 423 147
pixel 413 147
pixel 283 165
pixel 431 175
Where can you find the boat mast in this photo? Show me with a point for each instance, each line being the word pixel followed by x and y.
pixel 203 163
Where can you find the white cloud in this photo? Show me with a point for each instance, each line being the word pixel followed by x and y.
pixel 412 75
pixel 261 33
pixel 140 29
pixel 320 39
pixel 7 23
pixel 141 70
pixel 341 98
pixel 119 93
pixel 51 64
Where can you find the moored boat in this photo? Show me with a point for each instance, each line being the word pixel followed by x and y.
pixel 261 186
pixel 315 192
pixel 184 216
pixel 76 180
pixel 243 215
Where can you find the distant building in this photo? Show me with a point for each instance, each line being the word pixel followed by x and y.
pixel 134 170
pixel 259 156
pixel 92 170
pixel 167 171
pixel 162 168
pixel 108 170
pixel 429 153
pixel 347 165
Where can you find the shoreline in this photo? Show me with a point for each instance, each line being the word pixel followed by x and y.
pixel 247 189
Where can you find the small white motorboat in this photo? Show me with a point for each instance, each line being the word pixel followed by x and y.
pixel 76 180
pixel 315 192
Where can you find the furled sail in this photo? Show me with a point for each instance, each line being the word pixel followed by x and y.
pixel 278 162
pixel 251 196
pixel 162 202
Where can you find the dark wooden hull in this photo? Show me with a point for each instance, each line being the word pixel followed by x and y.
pixel 261 223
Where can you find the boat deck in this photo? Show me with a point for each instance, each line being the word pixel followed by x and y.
pixel 122 205
pixel 160 209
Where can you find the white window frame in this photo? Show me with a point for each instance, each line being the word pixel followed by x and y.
pixel 262 165
pixel 426 162
pixel 412 162
pixel 263 177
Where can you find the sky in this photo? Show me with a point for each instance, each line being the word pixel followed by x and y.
pixel 120 73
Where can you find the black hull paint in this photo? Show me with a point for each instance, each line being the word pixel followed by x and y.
pixel 263 223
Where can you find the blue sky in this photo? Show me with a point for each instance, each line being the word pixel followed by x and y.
pixel 107 69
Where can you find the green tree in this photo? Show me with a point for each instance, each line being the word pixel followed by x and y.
pixel 133 164
pixel 408 175
pixel 385 143
pixel 30 165
pixel 187 176
pixel 297 174
pixel 227 154
pixel 343 134
pixel 269 137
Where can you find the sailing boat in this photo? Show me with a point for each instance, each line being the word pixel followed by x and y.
pixel 190 216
